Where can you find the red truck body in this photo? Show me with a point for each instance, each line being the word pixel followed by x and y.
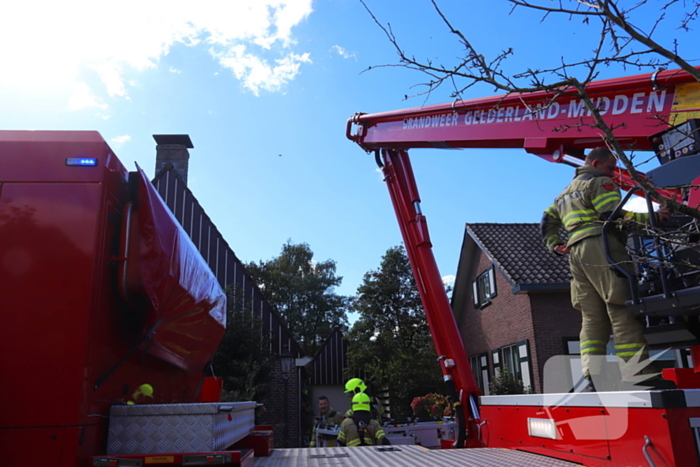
pixel 91 307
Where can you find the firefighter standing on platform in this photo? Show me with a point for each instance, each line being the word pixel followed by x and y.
pixel 361 429
pixel 597 290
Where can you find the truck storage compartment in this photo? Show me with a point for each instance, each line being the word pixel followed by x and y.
pixel 178 428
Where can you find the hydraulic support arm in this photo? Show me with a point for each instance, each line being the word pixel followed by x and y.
pixel 448 342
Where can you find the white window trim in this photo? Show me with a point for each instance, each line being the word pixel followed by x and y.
pixel 481 297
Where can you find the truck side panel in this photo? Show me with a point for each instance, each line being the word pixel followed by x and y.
pixel 72 346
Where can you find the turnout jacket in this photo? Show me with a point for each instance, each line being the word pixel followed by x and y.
pixel 331 417
pixel 361 430
pixel 588 200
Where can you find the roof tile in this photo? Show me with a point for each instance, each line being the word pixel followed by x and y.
pixel 520 254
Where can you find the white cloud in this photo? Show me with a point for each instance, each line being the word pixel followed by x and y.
pixel 83 98
pixel 63 46
pixel 119 140
pixel 342 52
pixel 638 204
pixel 111 75
pixel 449 280
pixel 174 70
pixel 258 74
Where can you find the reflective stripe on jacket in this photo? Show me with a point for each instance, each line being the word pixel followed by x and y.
pixel 350 433
pixel 580 207
pixel 331 417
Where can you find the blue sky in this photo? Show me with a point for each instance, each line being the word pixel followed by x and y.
pixel 264 89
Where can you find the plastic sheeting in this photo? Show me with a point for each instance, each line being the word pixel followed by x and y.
pixel 188 315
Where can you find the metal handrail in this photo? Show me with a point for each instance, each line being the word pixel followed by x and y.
pixel 606 249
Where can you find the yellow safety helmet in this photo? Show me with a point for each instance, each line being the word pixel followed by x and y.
pixel 355 385
pixel 360 401
pixel 145 390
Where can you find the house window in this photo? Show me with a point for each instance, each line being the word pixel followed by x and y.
pixel 516 359
pixel 572 346
pixel 480 368
pixel 484 287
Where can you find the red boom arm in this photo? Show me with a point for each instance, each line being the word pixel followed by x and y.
pixel 557 130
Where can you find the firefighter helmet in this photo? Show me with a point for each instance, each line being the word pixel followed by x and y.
pixel 360 401
pixel 145 390
pixel 355 385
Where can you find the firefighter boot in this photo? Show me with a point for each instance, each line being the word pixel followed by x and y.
pixel 590 387
pixel 648 385
pixel 585 384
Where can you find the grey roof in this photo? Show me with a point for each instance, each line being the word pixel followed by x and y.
pixel 519 253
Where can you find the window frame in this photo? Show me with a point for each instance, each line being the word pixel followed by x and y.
pixel 484 288
pixel 480 369
pixel 511 357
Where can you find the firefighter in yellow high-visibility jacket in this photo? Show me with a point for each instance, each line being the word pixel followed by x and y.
pixel 355 386
pixel 327 416
pixel 361 429
pixel 597 290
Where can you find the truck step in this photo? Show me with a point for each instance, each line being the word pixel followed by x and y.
pixel 242 458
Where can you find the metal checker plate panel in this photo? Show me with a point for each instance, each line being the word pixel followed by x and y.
pixel 179 409
pixel 408 456
pixel 177 428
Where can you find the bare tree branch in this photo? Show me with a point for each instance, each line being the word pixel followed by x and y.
pixel 616 32
pixel 617 17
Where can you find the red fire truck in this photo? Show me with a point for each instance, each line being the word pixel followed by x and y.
pixel 102 292
pixel 105 299
pixel 653 112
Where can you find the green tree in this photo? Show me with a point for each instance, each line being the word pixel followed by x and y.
pixel 243 358
pixel 303 292
pixel 390 342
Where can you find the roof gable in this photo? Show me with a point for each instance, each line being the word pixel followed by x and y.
pixel 328 366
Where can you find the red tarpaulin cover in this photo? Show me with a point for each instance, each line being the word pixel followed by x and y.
pixel 188 304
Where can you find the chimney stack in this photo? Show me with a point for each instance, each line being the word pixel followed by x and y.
pixel 173 149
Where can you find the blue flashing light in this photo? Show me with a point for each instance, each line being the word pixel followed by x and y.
pixel 82 161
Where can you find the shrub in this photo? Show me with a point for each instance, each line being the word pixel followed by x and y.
pixel 432 405
pixel 506 383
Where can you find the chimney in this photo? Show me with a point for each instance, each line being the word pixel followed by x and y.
pixel 173 149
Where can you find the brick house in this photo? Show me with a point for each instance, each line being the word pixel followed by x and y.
pixel 512 304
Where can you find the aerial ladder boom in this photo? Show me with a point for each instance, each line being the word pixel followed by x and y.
pixel 635 107
pixel 556 127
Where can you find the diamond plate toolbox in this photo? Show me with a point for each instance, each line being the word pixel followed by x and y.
pixel 178 428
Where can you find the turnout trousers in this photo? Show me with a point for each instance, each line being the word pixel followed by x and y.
pixel 600 294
